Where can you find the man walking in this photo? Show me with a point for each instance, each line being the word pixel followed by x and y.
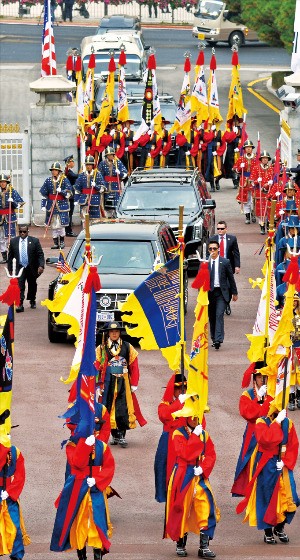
pixel 229 249
pixel 222 287
pixel 29 255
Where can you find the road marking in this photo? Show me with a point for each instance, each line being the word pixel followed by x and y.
pixel 16 67
pixel 260 97
pixel 166 67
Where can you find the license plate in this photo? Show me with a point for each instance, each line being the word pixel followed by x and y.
pixel 105 316
pixel 201 36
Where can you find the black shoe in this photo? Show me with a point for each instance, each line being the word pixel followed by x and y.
pixel 115 441
pixel 33 305
pixel 71 234
pixel 181 551
pixel 218 186
pixel 217 345
pixel 212 190
pixel 123 442
pixel 228 309
pixel 55 244
pixel 262 230
pixel 269 540
pixel 281 535
pixel 253 218
pixel 206 553
pixel 20 308
pixel 4 257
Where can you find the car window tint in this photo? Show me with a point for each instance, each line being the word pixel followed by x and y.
pixel 121 256
pixel 164 197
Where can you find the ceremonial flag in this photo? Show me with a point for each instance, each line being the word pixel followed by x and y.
pixel 244 136
pixel 83 410
pixel 154 308
pixel 48 46
pixel 89 95
pixel 199 102
pixel 108 100
pixel 276 167
pixel 259 335
pixel 280 347
pixel 69 301
pixel 123 111
pixel 80 103
pixel 213 96
pixel 147 107
pixel 6 364
pixel 62 265
pixel 258 150
pixel 182 121
pixel 282 383
pixel 157 116
pixel 236 105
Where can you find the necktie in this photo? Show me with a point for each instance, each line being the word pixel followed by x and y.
pixel 222 246
pixel 212 276
pixel 24 257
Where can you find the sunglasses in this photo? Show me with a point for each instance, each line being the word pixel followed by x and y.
pixel 22 231
pixel 213 249
pixel 221 228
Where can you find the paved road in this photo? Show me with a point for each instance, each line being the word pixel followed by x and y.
pixel 39 396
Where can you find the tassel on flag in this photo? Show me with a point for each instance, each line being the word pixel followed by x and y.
pixel 48 66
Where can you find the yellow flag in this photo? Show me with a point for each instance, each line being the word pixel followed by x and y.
pixel 183 115
pixel 236 105
pixel 107 105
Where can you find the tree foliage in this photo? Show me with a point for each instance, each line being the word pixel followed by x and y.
pixel 273 20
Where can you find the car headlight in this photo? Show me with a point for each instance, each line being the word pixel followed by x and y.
pixel 214 31
pixel 197 230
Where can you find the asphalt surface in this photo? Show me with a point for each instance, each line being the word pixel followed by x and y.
pixel 39 396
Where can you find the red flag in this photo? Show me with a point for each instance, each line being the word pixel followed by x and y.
pixel 48 47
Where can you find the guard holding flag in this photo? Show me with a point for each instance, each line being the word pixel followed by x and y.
pixel 56 192
pixel 13 535
pixel 113 172
pixel 10 200
pixel 88 189
pixel 118 380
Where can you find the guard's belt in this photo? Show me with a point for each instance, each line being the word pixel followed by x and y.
pixel 56 197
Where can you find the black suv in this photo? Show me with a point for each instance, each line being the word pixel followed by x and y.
pixel 129 249
pixel 157 193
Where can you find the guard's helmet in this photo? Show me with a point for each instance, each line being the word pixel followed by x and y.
pixel 289 185
pixel 4 177
pixel 55 165
pixel 109 151
pixel 265 154
pixel 90 160
pixel 248 144
pixel 112 325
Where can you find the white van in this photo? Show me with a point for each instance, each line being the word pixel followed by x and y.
pixel 103 45
pixel 214 23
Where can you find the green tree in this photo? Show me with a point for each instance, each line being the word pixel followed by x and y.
pixel 273 20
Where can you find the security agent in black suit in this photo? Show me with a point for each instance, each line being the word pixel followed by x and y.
pixel 222 288
pixel 29 254
pixel 230 250
pixel 69 173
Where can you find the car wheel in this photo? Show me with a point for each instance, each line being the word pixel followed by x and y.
pixel 52 334
pixel 236 38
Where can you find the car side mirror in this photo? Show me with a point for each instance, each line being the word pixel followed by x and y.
pixel 147 47
pixel 209 204
pixel 52 261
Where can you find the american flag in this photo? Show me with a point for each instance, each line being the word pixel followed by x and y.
pixel 48 46
pixel 62 264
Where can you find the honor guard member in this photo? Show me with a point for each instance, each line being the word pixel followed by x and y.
pixel 113 172
pixel 88 189
pixel 261 178
pixel 56 192
pixel 231 137
pixel 243 167
pixel 69 173
pixel 10 200
pixel 130 146
pixel 119 375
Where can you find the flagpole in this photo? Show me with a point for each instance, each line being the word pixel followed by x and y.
pixel 50 44
pixel 181 292
pixel 269 270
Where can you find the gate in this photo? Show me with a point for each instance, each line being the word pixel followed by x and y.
pixel 15 162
